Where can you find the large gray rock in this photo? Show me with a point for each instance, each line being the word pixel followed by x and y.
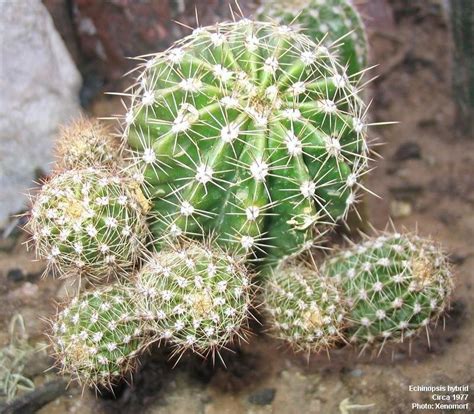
pixel 39 86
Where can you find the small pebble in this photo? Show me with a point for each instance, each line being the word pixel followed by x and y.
pixel 407 151
pixel 400 209
pixel 27 290
pixel 262 397
pixel 16 275
pixel 357 372
pixel 457 258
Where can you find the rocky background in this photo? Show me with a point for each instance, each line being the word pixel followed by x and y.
pixel 40 85
pixel 424 179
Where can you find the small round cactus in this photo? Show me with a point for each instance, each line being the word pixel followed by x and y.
pixel 394 285
pixel 248 131
pixel 97 336
pixel 195 297
pixel 330 21
pixel 305 309
pixel 86 143
pixel 89 222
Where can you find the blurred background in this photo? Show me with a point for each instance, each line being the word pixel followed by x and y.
pixel 57 60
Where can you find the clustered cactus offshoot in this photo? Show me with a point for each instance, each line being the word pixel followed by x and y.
pixel 86 143
pixel 387 288
pixel 242 144
pixel 97 337
pixel 394 285
pixel 305 308
pixel 89 221
pixel 195 296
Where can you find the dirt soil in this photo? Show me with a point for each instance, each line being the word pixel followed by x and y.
pixel 426 182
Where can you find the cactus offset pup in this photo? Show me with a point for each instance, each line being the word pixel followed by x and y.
pixel 86 143
pixel 305 309
pixel 89 222
pixel 98 336
pixel 394 286
pixel 195 296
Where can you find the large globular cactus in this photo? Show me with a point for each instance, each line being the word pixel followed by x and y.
pixel 330 21
pixel 248 131
pixel 97 336
pixel 394 286
pixel 304 308
pixel 90 222
pixel 194 296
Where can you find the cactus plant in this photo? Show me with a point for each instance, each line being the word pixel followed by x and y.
pixel 304 309
pixel 97 336
pixel 194 296
pixel 248 131
pixel 394 285
pixel 88 221
pixel 332 21
pixel 86 143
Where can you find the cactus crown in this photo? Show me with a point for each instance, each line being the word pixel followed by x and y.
pixel 194 296
pixel 247 130
pixel 305 309
pixel 98 336
pixel 88 221
pixel 394 284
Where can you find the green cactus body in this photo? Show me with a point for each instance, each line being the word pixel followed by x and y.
pixel 329 21
pixel 305 310
pixel 394 285
pixel 194 297
pixel 86 143
pixel 90 222
pixel 247 131
pixel 97 337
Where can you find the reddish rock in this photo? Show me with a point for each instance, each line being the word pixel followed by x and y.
pixel 101 35
pixel 110 31
pixel 377 14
